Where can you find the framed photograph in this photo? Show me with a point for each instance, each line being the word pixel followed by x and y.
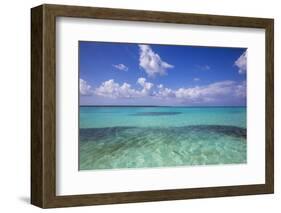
pixel 136 106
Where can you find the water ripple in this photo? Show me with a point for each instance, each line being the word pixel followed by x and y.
pixel 138 147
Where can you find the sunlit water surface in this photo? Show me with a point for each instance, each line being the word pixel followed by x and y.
pixel 141 137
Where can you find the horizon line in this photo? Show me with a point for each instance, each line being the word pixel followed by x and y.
pixel 157 106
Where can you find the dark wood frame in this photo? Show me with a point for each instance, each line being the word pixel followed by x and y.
pixel 43 105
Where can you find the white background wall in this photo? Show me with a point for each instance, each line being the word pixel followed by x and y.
pixel 15 106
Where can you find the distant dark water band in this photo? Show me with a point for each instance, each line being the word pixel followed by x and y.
pixel 93 134
pixel 155 113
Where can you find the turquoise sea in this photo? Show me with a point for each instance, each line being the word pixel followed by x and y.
pixel 142 137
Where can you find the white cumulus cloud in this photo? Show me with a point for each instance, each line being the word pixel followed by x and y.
pixel 85 88
pixel 151 62
pixel 147 86
pixel 113 89
pixel 164 92
pixel 121 67
pixel 241 90
pixel 241 63
pixel 215 93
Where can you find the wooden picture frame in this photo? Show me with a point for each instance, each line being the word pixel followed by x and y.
pixel 43 105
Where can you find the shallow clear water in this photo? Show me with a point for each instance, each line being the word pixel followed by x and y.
pixel 140 137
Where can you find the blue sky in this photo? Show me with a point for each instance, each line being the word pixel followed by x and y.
pixel 150 74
